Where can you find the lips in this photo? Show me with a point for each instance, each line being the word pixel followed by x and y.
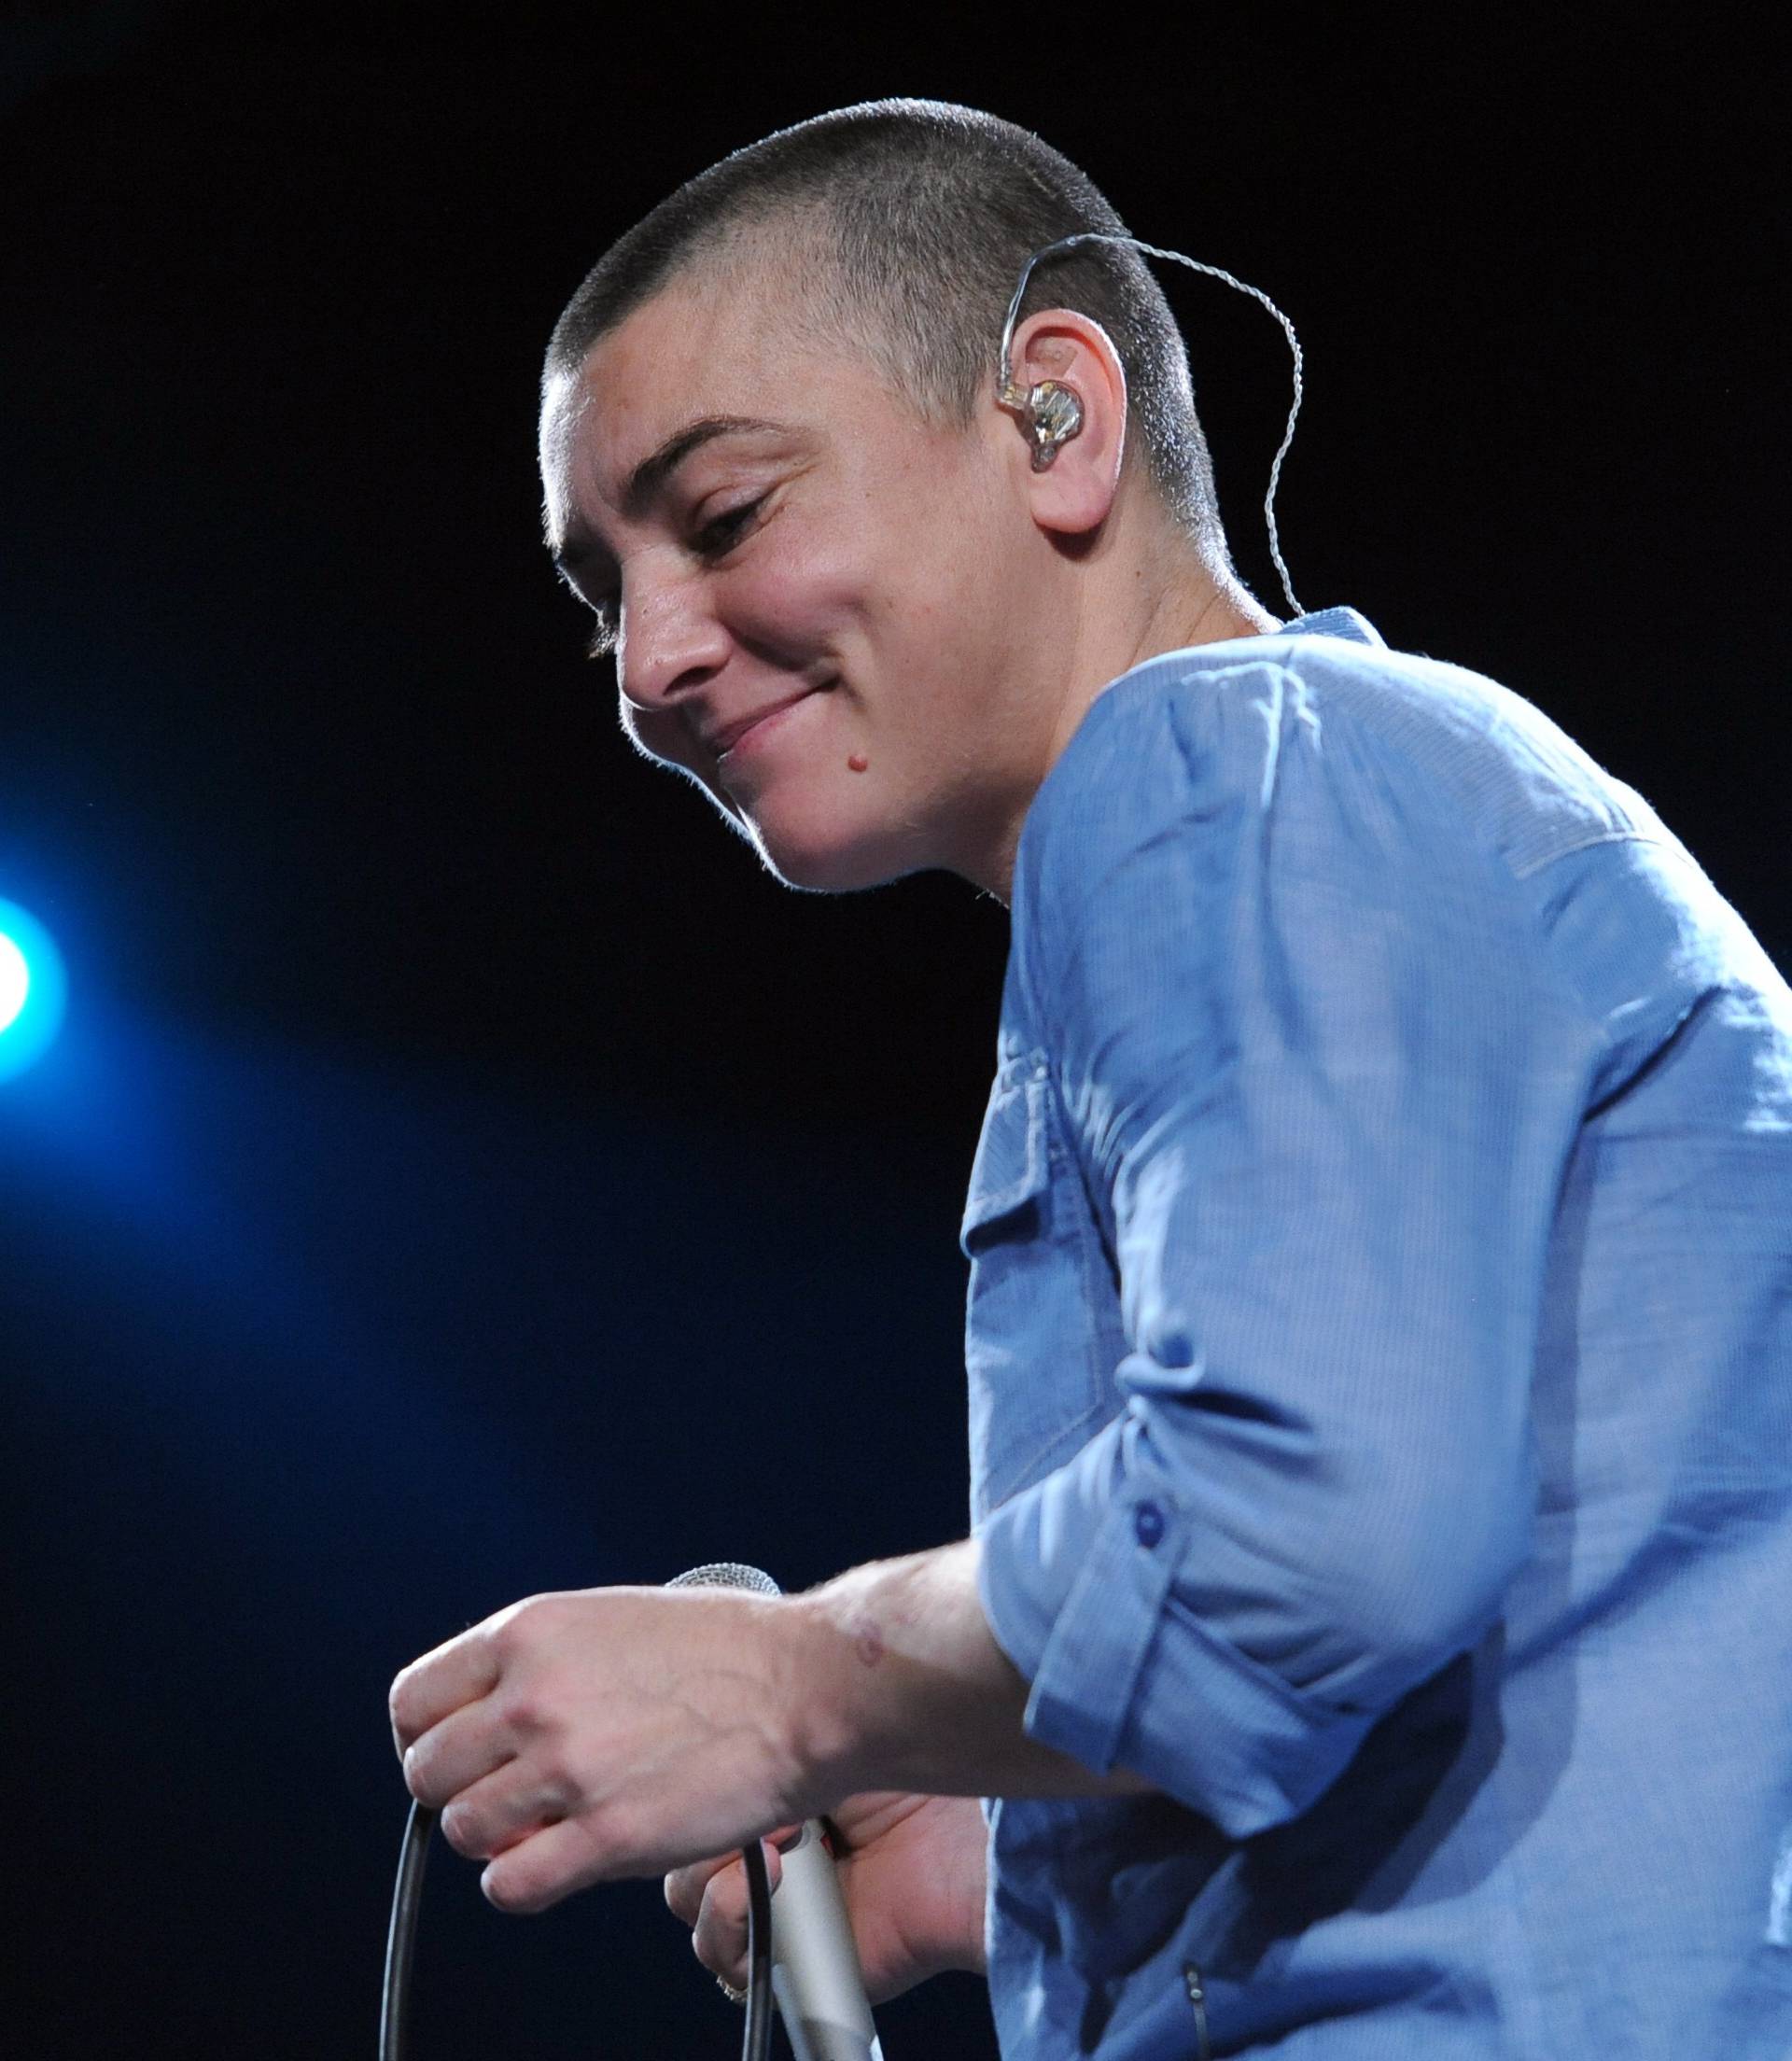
pixel 722 739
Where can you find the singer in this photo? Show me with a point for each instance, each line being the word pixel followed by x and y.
pixel 1374 1641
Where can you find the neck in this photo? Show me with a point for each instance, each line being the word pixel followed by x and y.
pixel 1173 605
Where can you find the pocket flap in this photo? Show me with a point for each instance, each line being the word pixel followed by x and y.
pixel 1012 1166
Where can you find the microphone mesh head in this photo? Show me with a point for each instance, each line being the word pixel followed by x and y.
pixel 726 1574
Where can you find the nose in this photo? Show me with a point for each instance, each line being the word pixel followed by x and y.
pixel 671 640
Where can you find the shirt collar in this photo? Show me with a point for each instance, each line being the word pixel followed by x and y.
pixel 1345 623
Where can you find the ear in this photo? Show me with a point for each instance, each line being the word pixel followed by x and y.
pixel 1071 495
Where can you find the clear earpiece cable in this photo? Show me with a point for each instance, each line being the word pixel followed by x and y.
pixel 1213 272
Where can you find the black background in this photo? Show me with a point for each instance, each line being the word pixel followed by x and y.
pixel 464 1173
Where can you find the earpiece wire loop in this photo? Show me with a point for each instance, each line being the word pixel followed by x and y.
pixel 1012 396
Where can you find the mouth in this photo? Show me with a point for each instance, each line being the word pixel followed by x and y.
pixel 726 741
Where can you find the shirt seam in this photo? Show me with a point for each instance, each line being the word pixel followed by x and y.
pixel 1532 867
pixel 1021 1470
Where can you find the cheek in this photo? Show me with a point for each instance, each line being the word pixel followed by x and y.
pixel 806 589
pixel 659 735
pixel 895 593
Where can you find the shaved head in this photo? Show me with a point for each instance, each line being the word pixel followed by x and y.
pixel 907 223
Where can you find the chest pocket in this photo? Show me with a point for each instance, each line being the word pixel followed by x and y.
pixel 1037 1384
pixel 1011 1176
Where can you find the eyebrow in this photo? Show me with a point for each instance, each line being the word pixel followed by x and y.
pixel 653 472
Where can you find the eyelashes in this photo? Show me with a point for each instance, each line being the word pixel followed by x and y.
pixel 723 532
pixel 608 633
pixel 715 540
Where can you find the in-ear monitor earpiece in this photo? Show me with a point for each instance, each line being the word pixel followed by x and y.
pixel 1052 413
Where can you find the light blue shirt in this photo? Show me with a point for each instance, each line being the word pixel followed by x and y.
pixel 1381 1356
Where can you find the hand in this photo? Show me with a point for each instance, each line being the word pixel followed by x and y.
pixel 602 1732
pixel 584 1736
pixel 912 1870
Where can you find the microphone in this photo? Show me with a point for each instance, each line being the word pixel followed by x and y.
pixel 816 1976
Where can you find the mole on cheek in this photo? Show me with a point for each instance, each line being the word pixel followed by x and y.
pixel 858 761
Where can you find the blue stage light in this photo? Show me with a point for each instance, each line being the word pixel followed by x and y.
pixel 15 983
pixel 32 989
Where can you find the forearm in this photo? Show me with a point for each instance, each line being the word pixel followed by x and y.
pixel 909 1690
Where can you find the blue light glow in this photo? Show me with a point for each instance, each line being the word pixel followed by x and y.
pixel 32 989
pixel 14 982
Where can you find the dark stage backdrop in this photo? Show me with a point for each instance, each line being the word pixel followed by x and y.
pixel 464 1173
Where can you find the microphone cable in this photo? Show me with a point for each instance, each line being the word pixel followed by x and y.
pixel 402 1941
pixel 401 1934
pixel 756 2042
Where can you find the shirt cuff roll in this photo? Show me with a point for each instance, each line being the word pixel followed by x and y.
pixel 1120 1673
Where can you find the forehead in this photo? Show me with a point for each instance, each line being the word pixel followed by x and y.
pixel 700 348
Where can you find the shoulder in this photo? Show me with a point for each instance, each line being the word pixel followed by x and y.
pixel 1333 741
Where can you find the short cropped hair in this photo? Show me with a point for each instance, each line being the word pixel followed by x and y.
pixel 922 216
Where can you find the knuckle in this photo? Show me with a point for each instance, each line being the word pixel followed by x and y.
pixel 559 1784
pixel 512 1629
pixel 527 1714
pixel 712 1956
pixel 461 1829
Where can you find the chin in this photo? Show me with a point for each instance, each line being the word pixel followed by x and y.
pixel 824 860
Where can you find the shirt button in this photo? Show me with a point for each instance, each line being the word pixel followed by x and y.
pixel 1148 1522
pixel 1173 1347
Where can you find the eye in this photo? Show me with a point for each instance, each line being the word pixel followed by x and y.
pixel 721 533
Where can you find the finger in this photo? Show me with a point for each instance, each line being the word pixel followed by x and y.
pixel 456 1673
pixel 684 1887
pixel 597 1842
pixel 539 1870
pixel 507 1805
pixel 719 1937
pixel 466 1747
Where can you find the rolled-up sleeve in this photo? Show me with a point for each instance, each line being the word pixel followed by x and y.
pixel 1319 1086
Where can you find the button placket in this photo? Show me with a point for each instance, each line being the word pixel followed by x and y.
pixel 1195 1990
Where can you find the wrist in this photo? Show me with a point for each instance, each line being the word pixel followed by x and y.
pixel 834 1720
pixel 903 1687
pixel 898 1683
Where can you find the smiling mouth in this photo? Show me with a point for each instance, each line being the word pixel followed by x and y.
pixel 731 738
